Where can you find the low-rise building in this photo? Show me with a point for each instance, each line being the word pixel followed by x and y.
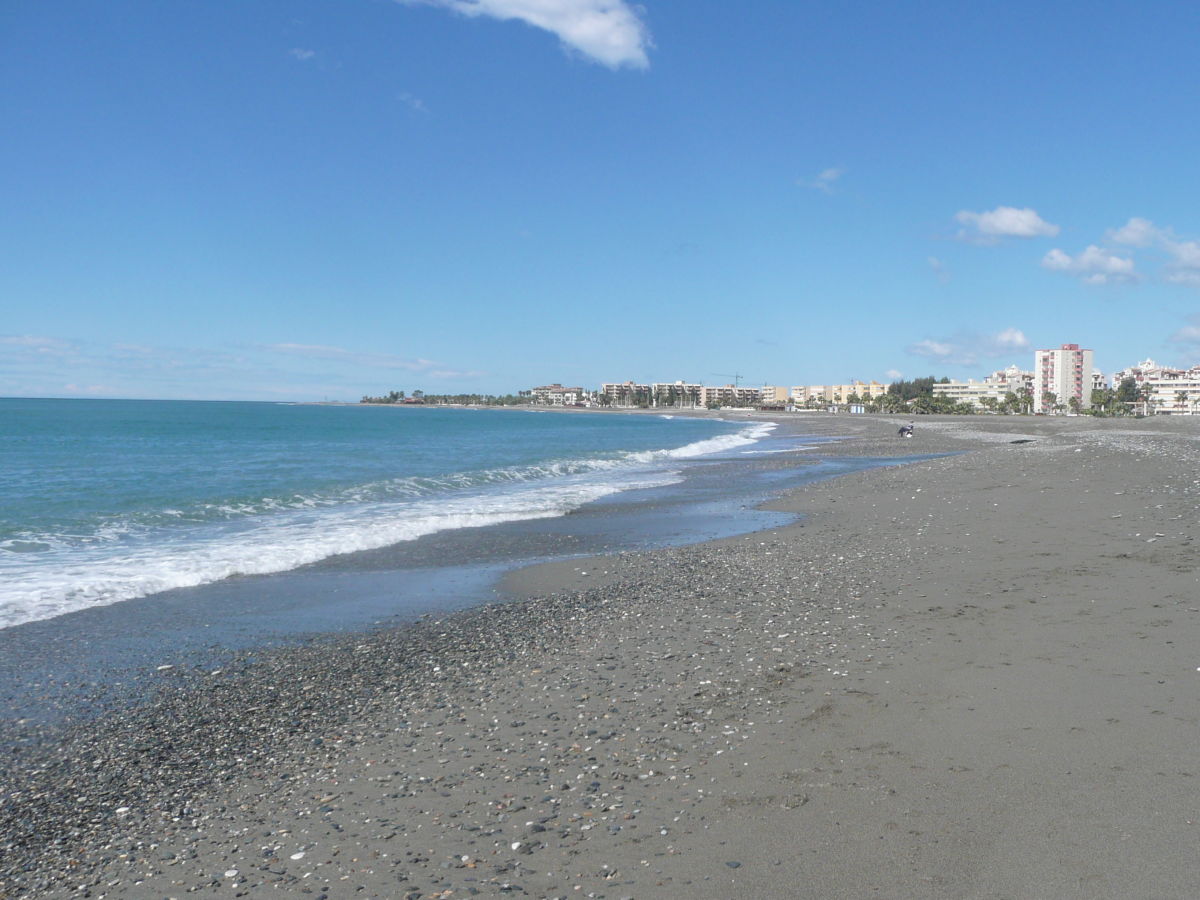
pixel 996 386
pixel 775 395
pixel 557 395
pixel 1164 390
pixel 822 394
pixel 812 394
pixel 730 395
pixel 676 394
pixel 626 394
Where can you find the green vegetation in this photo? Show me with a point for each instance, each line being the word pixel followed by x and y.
pixel 421 398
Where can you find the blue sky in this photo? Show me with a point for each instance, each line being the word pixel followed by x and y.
pixel 298 200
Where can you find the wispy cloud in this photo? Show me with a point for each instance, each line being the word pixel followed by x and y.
pixel 50 367
pixel 1187 339
pixel 34 343
pixel 1137 232
pixel 90 390
pixel 416 104
pixel 341 354
pixel 302 54
pixel 939 269
pixel 1003 222
pixel 968 349
pixel 894 374
pixel 1184 265
pixel 824 180
pixel 455 373
pixel 606 31
pixel 1094 265
pixel 1173 259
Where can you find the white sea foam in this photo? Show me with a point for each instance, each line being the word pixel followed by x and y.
pixel 46 576
pixel 797 449
pixel 712 445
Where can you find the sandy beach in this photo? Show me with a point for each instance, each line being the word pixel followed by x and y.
pixel 975 676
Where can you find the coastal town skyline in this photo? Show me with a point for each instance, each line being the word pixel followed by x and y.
pixel 1062 379
pixel 307 200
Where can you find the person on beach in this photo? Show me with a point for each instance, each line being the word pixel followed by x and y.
pixel 906 431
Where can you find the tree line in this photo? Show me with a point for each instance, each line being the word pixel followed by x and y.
pixel 420 398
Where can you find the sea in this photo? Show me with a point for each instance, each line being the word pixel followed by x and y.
pixel 135 534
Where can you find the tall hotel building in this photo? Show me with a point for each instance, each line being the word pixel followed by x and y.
pixel 1065 372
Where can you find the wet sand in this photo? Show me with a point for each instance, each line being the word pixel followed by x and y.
pixel 973 676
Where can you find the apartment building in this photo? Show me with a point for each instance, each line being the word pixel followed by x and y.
pixel 1065 373
pixel 626 393
pixel 867 390
pixel 837 393
pixel 996 386
pixel 775 395
pixel 730 395
pixel 557 395
pixel 1168 391
pixel 803 394
pixel 677 394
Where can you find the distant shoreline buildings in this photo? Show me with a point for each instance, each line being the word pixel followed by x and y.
pixel 1063 380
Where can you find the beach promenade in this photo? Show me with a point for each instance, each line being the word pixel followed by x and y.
pixel 975 676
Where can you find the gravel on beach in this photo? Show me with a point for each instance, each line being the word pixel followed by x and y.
pixel 970 676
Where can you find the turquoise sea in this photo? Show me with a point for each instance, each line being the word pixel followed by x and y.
pixel 107 501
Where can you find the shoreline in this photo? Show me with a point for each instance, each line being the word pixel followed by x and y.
pixel 832 708
pixel 58 669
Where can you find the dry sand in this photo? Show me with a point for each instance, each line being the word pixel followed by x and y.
pixel 970 677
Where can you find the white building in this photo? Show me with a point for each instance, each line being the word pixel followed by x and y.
pixel 626 393
pixel 676 394
pixel 1167 391
pixel 1065 373
pixel 997 386
pixel 557 395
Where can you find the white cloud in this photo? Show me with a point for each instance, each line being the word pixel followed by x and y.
pixel 1136 232
pixel 1183 257
pixel 933 349
pixel 1094 265
pixel 939 269
pixel 33 342
pixel 1184 267
pixel 606 31
pixel 413 103
pixel 825 179
pixel 1188 334
pixel 456 373
pixel 967 349
pixel 31 348
pixel 301 54
pixel 91 390
pixel 894 374
pixel 1011 338
pixel 1188 339
pixel 341 354
pixel 1005 221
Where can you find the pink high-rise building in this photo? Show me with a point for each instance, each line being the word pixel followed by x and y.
pixel 1065 373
